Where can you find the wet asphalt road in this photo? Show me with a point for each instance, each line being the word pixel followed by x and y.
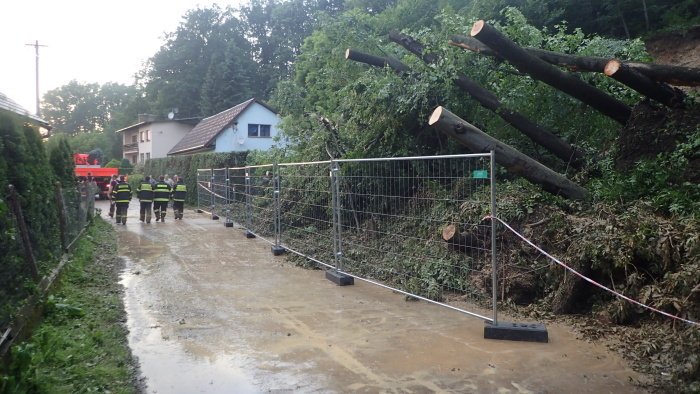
pixel 210 311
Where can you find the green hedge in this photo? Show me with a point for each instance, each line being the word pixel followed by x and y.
pixel 186 166
pixel 24 164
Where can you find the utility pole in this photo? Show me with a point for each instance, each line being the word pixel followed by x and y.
pixel 36 47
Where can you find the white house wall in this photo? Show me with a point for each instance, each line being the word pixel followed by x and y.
pixel 164 136
pixel 235 139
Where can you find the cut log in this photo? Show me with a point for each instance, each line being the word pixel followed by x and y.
pixel 376 61
pixel 541 136
pixel 670 74
pixel 662 93
pixel 673 75
pixel 548 140
pixel 510 158
pixel 547 73
pixel 412 46
pixel 570 62
pixel 464 242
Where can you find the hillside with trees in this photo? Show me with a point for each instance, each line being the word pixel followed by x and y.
pixel 637 231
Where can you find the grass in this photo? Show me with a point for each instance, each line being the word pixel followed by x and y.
pixel 81 344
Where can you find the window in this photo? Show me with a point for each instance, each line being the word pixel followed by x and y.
pixel 148 135
pixel 259 130
pixel 141 133
pixel 134 139
pixel 141 161
pixel 148 155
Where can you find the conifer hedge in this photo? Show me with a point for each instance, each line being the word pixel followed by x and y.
pixel 24 164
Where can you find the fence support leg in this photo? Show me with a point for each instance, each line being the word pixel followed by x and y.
pixel 337 276
pixel 277 249
pixel 24 233
pixel 531 332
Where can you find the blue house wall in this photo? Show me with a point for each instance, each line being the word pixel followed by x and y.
pixel 236 139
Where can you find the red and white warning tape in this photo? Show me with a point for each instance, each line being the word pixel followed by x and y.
pixel 589 280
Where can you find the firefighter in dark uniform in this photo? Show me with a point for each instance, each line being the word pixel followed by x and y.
pixel 161 196
pixel 121 195
pixel 179 194
pixel 145 195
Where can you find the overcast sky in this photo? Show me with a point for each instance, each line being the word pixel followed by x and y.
pixel 86 40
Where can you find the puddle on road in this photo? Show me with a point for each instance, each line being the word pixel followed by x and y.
pixel 170 368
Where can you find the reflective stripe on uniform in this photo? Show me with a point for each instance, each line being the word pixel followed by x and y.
pixel 161 192
pixel 145 192
pixel 122 193
pixel 179 192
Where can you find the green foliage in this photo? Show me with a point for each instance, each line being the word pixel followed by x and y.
pixel 114 163
pixel 339 108
pixel 125 167
pixel 84 108
pixel 80 346
pixel 659 180
pixel 24 164
pixel 228 81
pixel 61 160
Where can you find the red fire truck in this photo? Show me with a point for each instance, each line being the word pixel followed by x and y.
pixel 85 165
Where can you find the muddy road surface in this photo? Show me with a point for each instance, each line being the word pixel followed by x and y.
pixel 210 311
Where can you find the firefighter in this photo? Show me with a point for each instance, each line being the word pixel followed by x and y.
pixel 112 185
pixel 121 195
pixel 161 196
pixel 178 195
pixel 145 195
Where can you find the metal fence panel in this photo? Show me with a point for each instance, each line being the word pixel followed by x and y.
pixel 393 213
pixel 261 204
pixel 237 194
pixel 204 191
pixel 219 192
pixel 306 217
pixel 418 225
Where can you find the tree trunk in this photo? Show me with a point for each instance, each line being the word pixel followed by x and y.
pixel 662 93
pixel 462 241
pixel 548 140
pixel 412 46
pixel 376 61
pixel 513 160
pixel 549 74
pixel 622 18
pixel 673 75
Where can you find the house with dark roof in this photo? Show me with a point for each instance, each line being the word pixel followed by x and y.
pixel 251 125
pixel 9 105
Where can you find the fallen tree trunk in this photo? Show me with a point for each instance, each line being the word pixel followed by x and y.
pixel 412 46
pixel 376 61
pixel 463 242
pixel 622 72
pixel 662 93
pixel 547 73
pixel 673 75
pixel 513 160
pixel 548 140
